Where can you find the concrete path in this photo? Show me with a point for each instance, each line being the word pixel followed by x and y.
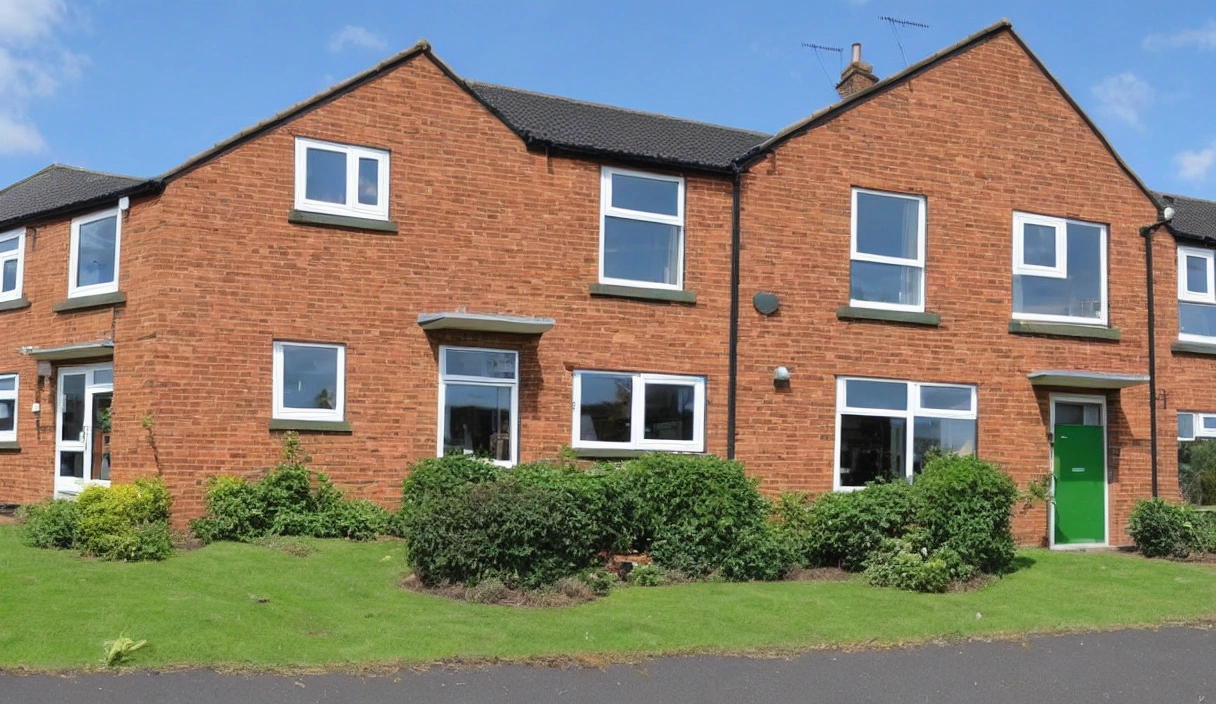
pixel 1168 665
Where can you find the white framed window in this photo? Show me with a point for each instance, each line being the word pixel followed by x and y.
pixel 8 408
pixel 625 410
pixel 12 254
pixel 1196 294
pixel 340 179
pixel 479 403
pixel 884 427
pixel 309 381
pixel 641 229
pixel 887 251
pixel 93 262
pixel 1059 270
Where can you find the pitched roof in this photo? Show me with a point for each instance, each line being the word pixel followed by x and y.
pixel 1194 218
pixel 59 189
pixel 603 130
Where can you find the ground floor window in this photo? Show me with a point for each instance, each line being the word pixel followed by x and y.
pixel 885 428
pixel 478 403
pixel 624 410
pixel 1197 457
pixel 8 408
pixel 309 381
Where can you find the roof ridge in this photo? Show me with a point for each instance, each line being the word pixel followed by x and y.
pixel 97 172
pixel 647 113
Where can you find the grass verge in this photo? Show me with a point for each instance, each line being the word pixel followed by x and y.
pixel 339 606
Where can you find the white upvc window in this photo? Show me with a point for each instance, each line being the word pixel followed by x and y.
pixel 625 410
pixel 309 381
pixel 479 403
pixel 641 229
pixel 884 428
pixel 8 407
pixel 12 254
pixel 93 262
pixel 1196 294
pixel 340 179
pixel 1192 426
pixel 1059 270
pixel 887 251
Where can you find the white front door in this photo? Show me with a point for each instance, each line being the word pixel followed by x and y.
pixel 82 411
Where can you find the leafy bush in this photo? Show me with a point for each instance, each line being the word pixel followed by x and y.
pixel 646 576
pixel 125 521
pixel 900 564
pixel 842 529
pixel 1161 529
pixel 966 504
pixel 600 581
pixel 50 524
pixel 359 519
pixel 760 554
pixel 1197 472
pixel 234 511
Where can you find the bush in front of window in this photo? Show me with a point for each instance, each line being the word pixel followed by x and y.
pixel 1197 475
pixel 125 521
pixel 50 524
pixel 966 504
pixel 1161 529
pixel 843 529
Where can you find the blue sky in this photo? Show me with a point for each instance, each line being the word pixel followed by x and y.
pixel 137 86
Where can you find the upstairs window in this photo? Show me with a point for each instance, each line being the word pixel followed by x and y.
pixel 12 250
pixel 8 408
pixel 888 251
pixel 339 179
pixel 1059 270
pixel 309 381
pixel 1196 294
pixel 93 265
pixel 620 410
pixel 641 229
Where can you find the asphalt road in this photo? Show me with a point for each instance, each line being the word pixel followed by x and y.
pixel 1167 665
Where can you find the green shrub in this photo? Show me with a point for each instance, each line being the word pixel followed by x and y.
pixel 1161 529
pixel 125 521
pixel 359 519
pixel 50 524
pixel 900 564
pixel 600 581
pixel 762 553
pixel 1197 472
pixel 966 504
pixel 646 576
pixel 842 529
pixel 234 511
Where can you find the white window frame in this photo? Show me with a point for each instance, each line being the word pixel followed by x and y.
pixel 914 410
pixel 352 207
pixel 11 435
pixel 17 255
pixel 74 290
pixel 335 414
pixel 607 210
pixel 1022 269
pixel 463 380
pixel 918 263
pixel 637 414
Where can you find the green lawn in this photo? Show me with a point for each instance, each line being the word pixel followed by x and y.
pixel 341 606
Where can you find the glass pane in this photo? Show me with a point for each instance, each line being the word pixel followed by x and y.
pixel 606 407
pixel 100 466
pixel 1078 414
pixel 641 251
pixel 1186 425
pixel 8 277
pixel 8 383
pixel 1039 245
pixel 871 449
pixel 670 412
pixel 477 421
pixel 310 377
pixel 886 283
pixel 888 226
pixel 73 407
pixel 71 464
pixel 483 363
pixel 325 178
pixel 1197 274
pixel 9 245
pixel 1079 295
pixel 942 435
pixel 945 398
pixel 369 181
pixel 1197 319
pixel 649 195
pixel 8 415
pixel 103 376
pixel 886 395
pixel 1208 422
pixel 95 261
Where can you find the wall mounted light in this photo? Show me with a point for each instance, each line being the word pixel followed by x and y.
pixel 781 375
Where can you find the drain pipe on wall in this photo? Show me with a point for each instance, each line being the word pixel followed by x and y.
pixel 732 382
pixel 1147 233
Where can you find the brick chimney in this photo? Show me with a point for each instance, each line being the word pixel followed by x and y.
pixel 857 76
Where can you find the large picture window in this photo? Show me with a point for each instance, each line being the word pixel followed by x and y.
pixel 479 403
pixel 1059 270
pixel 309 381
pixel 8 408
pixel 618 410
pixel 1196 294
pixel 12 251
pixel 340 179
pixel 641 229
pixel 885 428
pixel 93 263
pixel 887 268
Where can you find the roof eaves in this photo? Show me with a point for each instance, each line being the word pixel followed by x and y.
pixel 149 186
pixel 626 157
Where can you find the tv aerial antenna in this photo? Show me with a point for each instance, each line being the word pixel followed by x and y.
pixel 819 57
pixel 896 23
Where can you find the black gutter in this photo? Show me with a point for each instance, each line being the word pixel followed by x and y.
pixel 1147 233
pixel 733 351
pixel 152 186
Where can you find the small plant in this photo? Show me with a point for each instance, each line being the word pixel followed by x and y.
pixel 900 564
pixel 50 524
pixel 119 649
pixel 490 591
pixel 599 580
pixel 105 418
pixel 646 576
pixel 1038 492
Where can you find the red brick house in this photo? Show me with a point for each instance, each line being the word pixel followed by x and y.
pixel 412 264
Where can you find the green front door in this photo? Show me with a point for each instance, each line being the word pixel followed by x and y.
pixel 1080 495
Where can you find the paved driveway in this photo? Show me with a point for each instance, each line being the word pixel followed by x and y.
pixel 1167 665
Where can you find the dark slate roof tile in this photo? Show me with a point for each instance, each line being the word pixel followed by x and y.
pixel 59 187
pixel 1192 216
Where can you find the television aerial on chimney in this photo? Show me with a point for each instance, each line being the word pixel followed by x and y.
pixel 896 23
pixel 820 47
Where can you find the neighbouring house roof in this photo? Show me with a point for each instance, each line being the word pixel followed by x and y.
pixel 1194 218
pixel 59 189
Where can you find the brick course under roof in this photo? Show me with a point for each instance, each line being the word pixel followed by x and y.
pixel 59 187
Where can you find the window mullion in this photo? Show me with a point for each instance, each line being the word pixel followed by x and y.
pixel 637 432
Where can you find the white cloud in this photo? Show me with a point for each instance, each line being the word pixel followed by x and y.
pixel 1201 37
pixel 33 64
pixel 1195 165
pixel 1126 97
pixel 357 37
pixel 19 137
pixel 25 20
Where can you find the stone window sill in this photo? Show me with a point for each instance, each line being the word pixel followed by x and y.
pixel 1025 327
pixel 1194 348
pixel 85 302
pixel 17 304
pixel 311 426
pixel 889 316
pixel 588 453
pixel 346 222
pixel 643 293
pixel 10 447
